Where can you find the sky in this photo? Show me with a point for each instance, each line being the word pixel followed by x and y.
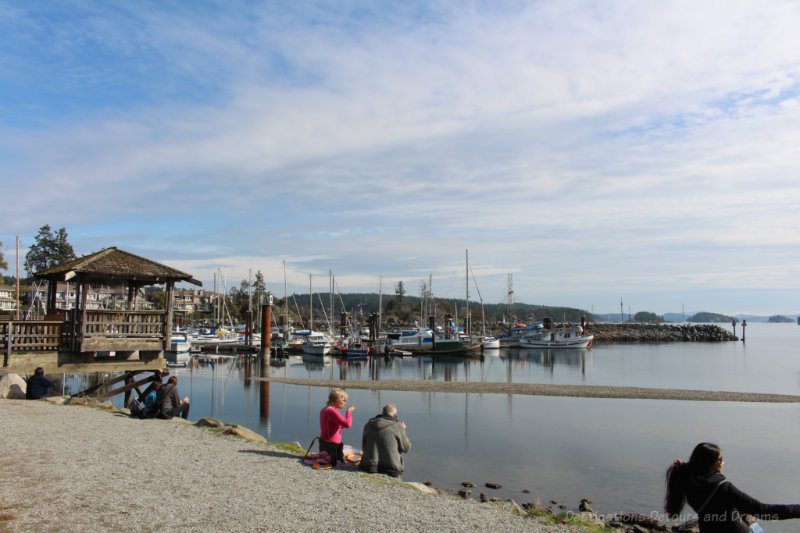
pixel 592 152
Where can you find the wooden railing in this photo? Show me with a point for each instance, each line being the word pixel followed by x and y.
pixel 29 336
pixel 103 330
pixel 138 324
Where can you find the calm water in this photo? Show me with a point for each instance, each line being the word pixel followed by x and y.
pixel 613 452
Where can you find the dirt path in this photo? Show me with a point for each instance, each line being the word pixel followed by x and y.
pixel 545 389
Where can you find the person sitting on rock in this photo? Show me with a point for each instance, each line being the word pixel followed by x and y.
pixel 169 401
pixel 383 440
pixel 38 385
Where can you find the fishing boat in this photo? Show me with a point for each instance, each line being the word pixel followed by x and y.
pixel 316 344
pixel 446 341
pixel 519 332
pixel 416 338
pixel 566 337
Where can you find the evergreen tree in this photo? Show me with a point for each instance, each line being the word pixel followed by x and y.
pixel 260 288
pixel 49 250
pixel 3 264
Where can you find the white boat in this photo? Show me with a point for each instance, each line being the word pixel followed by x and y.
pixel 180 347
pixel 215 336
pixel 567 337
pixel 520 331
pixel 413 338
pixel 316 344
pixel 490 343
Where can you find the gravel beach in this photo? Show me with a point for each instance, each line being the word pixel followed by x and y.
pixel 76 468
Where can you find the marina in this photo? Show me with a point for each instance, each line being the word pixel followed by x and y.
pixel 612 451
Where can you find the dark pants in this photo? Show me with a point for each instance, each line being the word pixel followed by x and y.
pixel 335 450
pixel 179 410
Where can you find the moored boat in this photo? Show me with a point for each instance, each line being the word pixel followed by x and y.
pixel 180 347
pixel 490 343
pixel 566 337
pixel 316 344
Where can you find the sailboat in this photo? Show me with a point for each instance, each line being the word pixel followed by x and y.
pixel 316 344
pixel 487 341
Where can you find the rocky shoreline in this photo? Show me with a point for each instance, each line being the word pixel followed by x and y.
pixel 653 333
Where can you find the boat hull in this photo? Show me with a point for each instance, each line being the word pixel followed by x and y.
pixel 576 342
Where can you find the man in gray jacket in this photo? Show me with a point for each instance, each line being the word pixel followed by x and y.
pixel 382 442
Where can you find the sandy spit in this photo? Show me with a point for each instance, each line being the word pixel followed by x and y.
pixel 544 389
pixel 76 469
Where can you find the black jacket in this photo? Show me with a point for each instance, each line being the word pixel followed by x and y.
pixel 725 510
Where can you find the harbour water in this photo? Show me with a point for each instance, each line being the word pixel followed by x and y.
pixel 612 451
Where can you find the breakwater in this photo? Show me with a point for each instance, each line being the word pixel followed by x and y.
pixel 644 333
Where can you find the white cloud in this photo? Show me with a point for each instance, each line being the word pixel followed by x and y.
pixel 541 133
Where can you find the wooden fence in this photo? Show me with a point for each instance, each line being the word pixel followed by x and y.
pixel 29 336
pixel 103 330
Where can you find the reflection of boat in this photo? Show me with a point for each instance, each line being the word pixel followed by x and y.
pixel 316 344
pixel 315 362
pixel 566 337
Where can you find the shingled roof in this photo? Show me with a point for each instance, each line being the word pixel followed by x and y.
pixel 113 265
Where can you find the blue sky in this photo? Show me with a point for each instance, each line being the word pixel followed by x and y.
pixel 596 151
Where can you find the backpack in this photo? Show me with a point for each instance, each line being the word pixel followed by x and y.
pixel 135 408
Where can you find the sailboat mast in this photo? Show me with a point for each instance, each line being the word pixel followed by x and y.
pixel 310 306
pixel 466 314
pixel 285 299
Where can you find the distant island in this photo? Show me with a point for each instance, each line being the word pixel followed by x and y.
pixel 711 318
pixel 780 319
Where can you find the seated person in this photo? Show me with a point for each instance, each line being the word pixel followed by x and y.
pixel 38 385
pixel 383 440
pixel 157 376
pixel 150 408
pixel 169 401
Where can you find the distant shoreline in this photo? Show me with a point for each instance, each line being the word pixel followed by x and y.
pixel 543 389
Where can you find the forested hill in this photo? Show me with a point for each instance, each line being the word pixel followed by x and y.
pixel 710 318
pixel 408 308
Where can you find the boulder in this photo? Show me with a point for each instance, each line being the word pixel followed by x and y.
pixel 421 487
pixel 209 422
pixel 464 493
pixel 494 485
pixel 57 400
pixel 243 432
pixel 12 387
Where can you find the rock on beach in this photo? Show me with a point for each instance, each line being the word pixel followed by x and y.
pixel 73 468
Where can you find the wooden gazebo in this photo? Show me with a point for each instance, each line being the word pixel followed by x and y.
pixel 124 332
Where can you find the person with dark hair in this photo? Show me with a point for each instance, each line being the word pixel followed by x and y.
pixel 169 401
pixel 383 440
pixel 38 385
pixel 720 506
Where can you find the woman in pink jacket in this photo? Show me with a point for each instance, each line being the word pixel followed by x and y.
pixel 331 423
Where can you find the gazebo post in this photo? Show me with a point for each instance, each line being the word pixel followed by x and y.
pixel 84 295
pixel 168 317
